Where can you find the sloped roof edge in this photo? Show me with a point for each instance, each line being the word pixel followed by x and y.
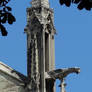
pixel 12 73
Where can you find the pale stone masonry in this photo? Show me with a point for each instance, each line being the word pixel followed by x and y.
pixel 40 46
pixel 11 80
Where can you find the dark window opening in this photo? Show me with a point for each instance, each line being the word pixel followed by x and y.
pixel 46 52
pixel 49 85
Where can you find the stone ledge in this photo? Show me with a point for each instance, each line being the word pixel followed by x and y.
pixel 12 73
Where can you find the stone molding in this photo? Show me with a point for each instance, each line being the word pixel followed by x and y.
pixel 12 73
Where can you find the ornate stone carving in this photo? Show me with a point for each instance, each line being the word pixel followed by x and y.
pixel 61 74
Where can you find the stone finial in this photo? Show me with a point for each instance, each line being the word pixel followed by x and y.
pixel 40 3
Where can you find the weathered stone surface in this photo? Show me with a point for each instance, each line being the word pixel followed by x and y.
pixel 7 85
pixel 10 81
pixel 40 45
pixel 39 3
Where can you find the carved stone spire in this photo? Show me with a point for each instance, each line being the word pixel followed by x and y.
pixel 40 3
pixel 40 46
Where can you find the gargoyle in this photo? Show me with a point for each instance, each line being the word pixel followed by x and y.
pixel 62 73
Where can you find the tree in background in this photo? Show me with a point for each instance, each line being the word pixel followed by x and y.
pixel 87 4
pixel 5 16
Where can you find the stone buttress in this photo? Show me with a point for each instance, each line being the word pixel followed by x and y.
pixel 40 45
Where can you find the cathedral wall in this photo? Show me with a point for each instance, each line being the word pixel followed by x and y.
pixel 11 80
pixel 8 84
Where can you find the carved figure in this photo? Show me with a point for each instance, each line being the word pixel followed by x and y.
pixel 61 74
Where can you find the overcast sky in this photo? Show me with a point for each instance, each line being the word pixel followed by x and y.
pixel 73 43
